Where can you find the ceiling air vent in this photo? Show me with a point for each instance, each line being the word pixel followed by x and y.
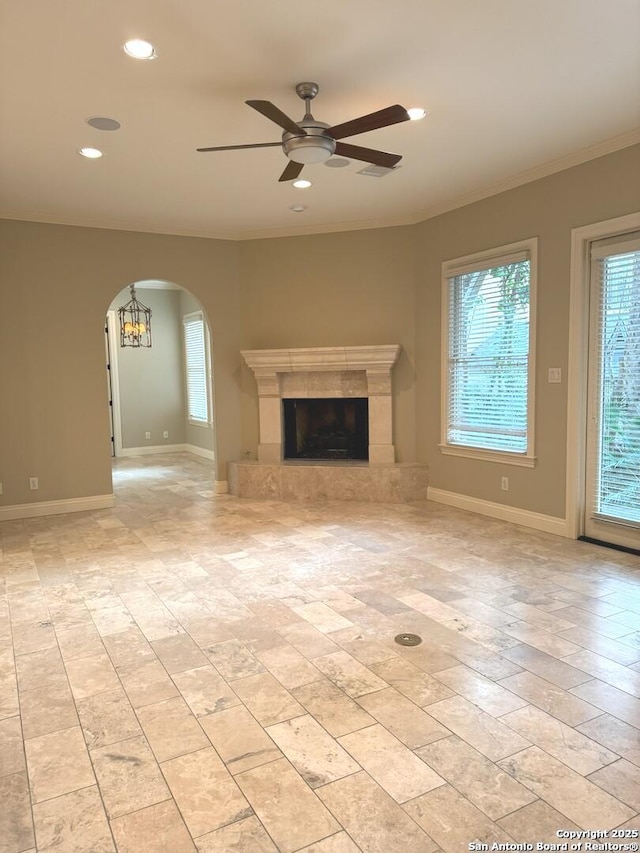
pixel 377 171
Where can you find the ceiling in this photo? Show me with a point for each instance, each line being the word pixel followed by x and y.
pixel 514 89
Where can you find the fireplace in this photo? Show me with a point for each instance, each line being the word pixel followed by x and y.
pixel 326 428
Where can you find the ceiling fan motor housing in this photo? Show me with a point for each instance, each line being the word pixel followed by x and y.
pixel 316 147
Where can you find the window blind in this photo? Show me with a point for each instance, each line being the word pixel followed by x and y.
pixel 616 395
pixel 196 368
pixel 488 358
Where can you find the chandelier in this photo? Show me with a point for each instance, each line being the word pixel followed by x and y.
pixel 135 323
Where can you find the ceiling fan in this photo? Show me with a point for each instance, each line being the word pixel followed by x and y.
pixel 312 141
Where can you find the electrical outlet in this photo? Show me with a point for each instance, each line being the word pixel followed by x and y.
pixel 33 483
pixel 504 484
pixel 147 435
pixel 165 434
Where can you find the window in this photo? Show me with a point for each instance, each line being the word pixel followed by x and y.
pixel 613 461
pixel 196 346
pixel 488 327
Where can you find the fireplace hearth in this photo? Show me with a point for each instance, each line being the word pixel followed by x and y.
pixel 326 428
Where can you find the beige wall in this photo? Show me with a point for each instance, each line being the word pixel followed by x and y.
pixel 358 287
pixel 56 285
pixel 548 209
pixel 345 289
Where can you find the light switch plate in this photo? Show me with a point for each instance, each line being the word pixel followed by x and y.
pixel 555 374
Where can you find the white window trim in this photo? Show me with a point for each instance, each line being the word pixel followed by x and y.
pixel 581 239
pixel 468 263
pixel 207 355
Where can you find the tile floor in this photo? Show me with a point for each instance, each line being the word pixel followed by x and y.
pixel 189 672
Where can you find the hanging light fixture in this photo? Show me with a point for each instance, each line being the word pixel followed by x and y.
pixel 135 323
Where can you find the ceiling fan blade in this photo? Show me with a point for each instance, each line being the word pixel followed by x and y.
pixel 271 112
pixel 238 147
pixel 291 171
pixel 381 118
pixel 369 155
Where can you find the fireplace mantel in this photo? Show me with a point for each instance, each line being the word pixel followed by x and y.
pixel 363 371
pixel 311 359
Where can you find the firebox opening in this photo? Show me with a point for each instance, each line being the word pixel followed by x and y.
pixel 333 428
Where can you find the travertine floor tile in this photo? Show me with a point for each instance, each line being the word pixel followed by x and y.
pixel 201 619
pixel 564 789
pixel 546 666
pixel 239 740
pixel 333 709
pixel 482 731
pixel 308 640
pixel 16 825
pixel 537 822
pixel 204 690
pixel 402 718
pixel 147 684
pixel 128 776
pixel 608 671
pixel 616 735
pixel 338 843
pixel 486 694
pixel 451 821
pixel 322 617
pixel 157 829
pixel 618 703
pixel 349 674
pixel 11 747
pixel 267 699
pixel 83 641
pixel 621 779
pixel 178 652
pixel 572 748
pixel 478 779
pixel 58 763
pixel 394 767
pixel 206 794
pixel 317 757
pixel 411 681
pixel 74 822
pixel 239 837
pixel 372 818
pixel 233 660
pixel 554 700
pixel 171 729
pixel 292 814
pixel 107 718
pixel 290 667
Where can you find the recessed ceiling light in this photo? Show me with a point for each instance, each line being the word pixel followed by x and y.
pixel 298 208
pixel 301 184
pixel 91 153
pixel 416 113
pixel 103 123
pixel 139 49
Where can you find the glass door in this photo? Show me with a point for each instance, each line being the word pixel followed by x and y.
pixel 612 497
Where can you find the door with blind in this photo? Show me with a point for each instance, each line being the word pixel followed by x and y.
pixel 612 500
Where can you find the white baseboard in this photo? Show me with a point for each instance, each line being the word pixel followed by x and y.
pixel 167 448
pixel 157 448
pixel 536 520
pixel 8 513
pixel 201 451
pixel 221 487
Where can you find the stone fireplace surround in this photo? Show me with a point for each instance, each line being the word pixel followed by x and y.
pixel 326 372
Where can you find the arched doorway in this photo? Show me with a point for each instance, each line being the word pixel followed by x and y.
pixel 161 397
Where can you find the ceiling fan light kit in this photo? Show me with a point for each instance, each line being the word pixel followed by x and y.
pixel 310 141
